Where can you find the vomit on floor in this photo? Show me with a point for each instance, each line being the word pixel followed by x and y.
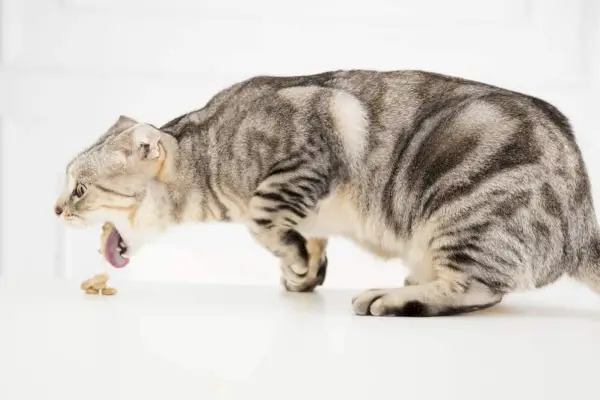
pixel 97 284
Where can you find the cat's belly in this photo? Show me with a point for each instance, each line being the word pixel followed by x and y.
pixel 338 216
pixel 335 216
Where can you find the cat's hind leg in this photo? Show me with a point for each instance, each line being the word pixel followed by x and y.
pixel 450 293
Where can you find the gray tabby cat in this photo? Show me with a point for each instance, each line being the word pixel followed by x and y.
pixel 480 191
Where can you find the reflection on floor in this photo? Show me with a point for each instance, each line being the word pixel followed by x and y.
pixel 163 341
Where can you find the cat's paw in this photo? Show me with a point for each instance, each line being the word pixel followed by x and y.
pixel 389 302
pixel 307 282
pixel 367 302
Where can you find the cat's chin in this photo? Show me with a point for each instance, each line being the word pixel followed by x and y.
pixel 77 222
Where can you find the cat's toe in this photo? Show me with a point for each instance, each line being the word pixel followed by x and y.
pixel 367 303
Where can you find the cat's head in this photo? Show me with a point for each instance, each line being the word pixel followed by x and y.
pixel 108 181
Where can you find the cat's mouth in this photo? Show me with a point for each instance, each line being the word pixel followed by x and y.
pixel 115 249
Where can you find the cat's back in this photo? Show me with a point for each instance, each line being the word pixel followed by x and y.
pixel 395 102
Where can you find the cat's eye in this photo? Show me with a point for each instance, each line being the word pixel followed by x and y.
pixel 80 190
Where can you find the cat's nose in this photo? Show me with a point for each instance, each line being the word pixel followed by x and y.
pixel 58 210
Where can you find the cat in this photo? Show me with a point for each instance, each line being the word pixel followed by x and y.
pixel 479 190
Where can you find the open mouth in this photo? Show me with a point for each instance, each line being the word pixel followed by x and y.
pixel 115 249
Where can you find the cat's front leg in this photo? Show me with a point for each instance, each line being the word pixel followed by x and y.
pixel 276 209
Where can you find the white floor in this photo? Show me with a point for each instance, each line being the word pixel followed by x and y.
pixel 171 341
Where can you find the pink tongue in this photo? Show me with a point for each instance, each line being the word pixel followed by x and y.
pixel 112 252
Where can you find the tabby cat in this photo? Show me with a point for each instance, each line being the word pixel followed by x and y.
pixel 481 191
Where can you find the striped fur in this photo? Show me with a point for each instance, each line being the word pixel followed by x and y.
pixel 480 191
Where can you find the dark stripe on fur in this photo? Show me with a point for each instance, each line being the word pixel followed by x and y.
pixel 520 150
pixel 514 202
pixel 291 208
pixel 411 309
pixel 224 213
pixel 285 166
pixel 107 190
pixel 429 110
pixel 264 222
pixel 270 196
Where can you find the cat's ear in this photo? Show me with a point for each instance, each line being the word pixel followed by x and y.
pixel 145 141
pixel 122 124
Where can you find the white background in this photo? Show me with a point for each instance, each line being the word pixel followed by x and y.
pixel 69 68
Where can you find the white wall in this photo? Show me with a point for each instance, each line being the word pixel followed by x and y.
pixel 68 68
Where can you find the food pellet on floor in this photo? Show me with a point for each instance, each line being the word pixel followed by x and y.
pixel 97 284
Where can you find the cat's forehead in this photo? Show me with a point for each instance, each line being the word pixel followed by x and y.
pixel 82 168
pixel 93 165
pixel 106 156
